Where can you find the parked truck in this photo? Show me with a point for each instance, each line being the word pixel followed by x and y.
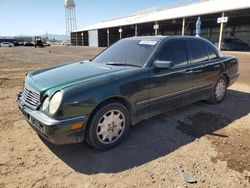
pixel 38 42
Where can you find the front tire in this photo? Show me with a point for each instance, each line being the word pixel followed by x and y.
pixel 219 91
pixel 108 126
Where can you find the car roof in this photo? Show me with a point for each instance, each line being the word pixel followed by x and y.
pixel 161 37
pixel 155 38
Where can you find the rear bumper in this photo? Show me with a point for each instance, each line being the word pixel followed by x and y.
pixel 55 131
pixel 233 78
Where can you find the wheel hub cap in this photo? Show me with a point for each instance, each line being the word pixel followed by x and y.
pixel 220 89
pixel 111 126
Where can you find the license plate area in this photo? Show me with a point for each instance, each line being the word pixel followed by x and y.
pixel 34 122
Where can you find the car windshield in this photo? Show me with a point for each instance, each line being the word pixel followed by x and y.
pixel 127 52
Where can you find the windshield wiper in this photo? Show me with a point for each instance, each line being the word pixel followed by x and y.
pixel 122 64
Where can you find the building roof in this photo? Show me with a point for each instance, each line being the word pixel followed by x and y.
pixel 7 37
pixel 202 7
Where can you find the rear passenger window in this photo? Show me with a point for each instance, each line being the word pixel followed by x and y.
pixel 212 51
pixel 174 51
pixel 198 50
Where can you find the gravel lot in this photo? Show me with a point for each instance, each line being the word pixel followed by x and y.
pixel 209 144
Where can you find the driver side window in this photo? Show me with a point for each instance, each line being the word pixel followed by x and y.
pixel 174 51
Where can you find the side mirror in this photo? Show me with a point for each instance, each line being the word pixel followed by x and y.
pixel 163 64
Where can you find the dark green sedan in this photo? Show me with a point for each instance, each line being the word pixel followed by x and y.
pixel 133 80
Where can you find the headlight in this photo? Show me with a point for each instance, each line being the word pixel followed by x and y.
pixel 55 102
pixel 45 103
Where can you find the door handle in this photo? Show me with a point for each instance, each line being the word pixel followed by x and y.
pixel 189 71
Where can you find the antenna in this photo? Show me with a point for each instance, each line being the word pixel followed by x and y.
pixel 70 16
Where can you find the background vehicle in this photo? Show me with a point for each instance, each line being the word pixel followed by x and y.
pixel 16 43
pixel 29 44
pixel 21 43
pixel 7 44
pixel 133 80
pixel 38 42
pixel 46 44
pixel 66 43
pixel 233 44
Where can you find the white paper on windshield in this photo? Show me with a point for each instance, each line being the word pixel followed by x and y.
pixel 148 42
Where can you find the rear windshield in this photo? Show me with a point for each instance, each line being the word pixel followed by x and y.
pixel 135 52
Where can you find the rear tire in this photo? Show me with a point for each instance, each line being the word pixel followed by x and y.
pixel 108 126
pixel 219 91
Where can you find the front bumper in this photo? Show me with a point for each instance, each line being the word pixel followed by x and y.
pixel 56 131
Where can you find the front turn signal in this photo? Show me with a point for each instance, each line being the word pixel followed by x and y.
pixel 77 125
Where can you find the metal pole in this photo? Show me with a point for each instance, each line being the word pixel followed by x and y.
pixel 67 12
pixel 76 39
pixel 82 40
pixel 66 21
pixel 108 42
pixel 75 19
pixel 210 33
pixel 221 32
pixel 183 27
pixel 70 22
pixel 72 19
pixel 156 30
pixel 136 30
pixel 120 31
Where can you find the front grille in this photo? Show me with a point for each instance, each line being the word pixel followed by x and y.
pixel 30 97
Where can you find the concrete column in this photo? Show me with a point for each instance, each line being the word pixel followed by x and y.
pixel 108 41
pixel 136 30
pixel 221 32
pixel 183 27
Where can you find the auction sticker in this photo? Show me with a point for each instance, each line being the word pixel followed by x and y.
pixel 148 42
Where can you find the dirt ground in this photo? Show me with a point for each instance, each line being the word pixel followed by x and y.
pixel 205 144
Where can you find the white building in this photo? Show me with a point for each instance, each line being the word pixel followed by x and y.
pixel 178 19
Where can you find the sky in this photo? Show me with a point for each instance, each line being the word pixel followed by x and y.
pixel 36 17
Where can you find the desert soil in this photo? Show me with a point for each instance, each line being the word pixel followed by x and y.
pixel 205 144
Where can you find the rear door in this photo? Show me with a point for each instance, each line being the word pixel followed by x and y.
pixel 205 66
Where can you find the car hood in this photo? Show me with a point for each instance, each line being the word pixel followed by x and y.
pixel 71 74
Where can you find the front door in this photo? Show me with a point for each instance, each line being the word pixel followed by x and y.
pixel 169 87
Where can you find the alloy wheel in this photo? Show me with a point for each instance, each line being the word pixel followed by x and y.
pixel 220 89
pixel 110 127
